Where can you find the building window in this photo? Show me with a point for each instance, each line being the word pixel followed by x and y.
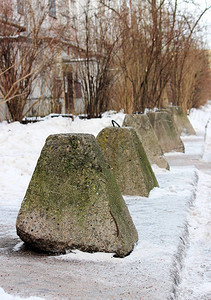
pixel 20 7
pixel 52 8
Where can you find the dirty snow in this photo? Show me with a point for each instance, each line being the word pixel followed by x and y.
pixel 173 252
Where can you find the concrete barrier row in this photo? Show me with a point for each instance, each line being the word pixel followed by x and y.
pixel 74 199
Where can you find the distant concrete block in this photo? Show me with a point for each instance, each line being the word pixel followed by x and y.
pixel 74 202
pixel 181 120
pixel 128 161
pixel 166 131
pixel 149 140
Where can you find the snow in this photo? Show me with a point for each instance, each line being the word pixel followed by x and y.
pixel 207 148
pixel 5 296
pixel 198 256
pixel 173 223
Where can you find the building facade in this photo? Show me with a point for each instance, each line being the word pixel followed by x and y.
pixel 59 89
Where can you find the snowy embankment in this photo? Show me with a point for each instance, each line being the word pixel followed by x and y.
pixel 196 271
pixel 5 296
pixel 172 256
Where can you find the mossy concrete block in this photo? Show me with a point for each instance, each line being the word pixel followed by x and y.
pixel 74 202
pixel 149 140
pixel 166 131
pixel 128 161
pixel 181 120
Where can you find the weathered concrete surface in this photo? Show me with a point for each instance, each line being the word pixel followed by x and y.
pixel 144 274
pixel 148 138
pixel 129 163
pixel 181 120
pixel 73 201
pixel 166 131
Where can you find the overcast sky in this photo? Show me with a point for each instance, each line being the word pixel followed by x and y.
pixel 206 19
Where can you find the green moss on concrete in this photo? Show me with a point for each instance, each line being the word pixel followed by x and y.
pixel 181 120
pixel 128 160
pixel 148 138
pixel 166 131
pixel 73 200
pixel 149 176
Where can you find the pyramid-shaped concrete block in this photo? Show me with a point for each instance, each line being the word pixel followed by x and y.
pixel 74 202
pixel 149 140
pixel 166 131
pixel 128 161
pixel 181 120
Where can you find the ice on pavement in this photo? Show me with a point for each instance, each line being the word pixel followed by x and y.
pixel 173 251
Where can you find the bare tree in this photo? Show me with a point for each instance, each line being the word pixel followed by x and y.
pixel 154 54
pixel 186 56
pixel 96 66
pixel 145 55
pixel 25 52
pixel 125 57
pixel 202 80
pixel 194 88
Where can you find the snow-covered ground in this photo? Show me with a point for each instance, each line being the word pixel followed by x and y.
pixel 172 257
